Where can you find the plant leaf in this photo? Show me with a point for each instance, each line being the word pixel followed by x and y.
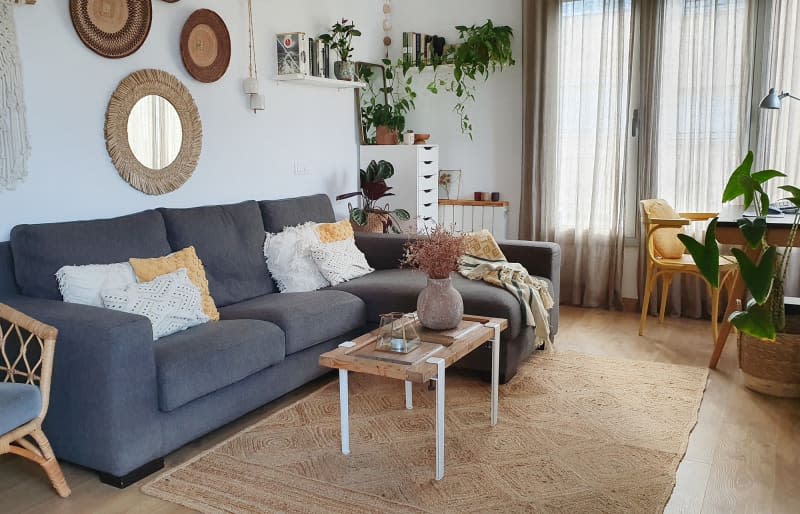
pixel 402 214
pixel 734 189
pixel 753 230
pixel 765 175
pixel 359 217
pixel 756 321
pixel 757 277
pixel 706 256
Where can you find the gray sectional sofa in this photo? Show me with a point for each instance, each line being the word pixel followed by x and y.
pixel 120 402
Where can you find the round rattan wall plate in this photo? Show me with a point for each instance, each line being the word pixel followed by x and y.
pixel 133 88
pixel 205 46
pixel 112 28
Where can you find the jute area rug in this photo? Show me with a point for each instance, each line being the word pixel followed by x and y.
pixel 576 434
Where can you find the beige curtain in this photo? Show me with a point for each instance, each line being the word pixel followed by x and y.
pixel 696 84
pixel 577 76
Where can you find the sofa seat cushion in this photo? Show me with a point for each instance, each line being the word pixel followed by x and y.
pixel 397 290
pixel 209 357
pixel 307 319
pixel 19 403
pixel 229 239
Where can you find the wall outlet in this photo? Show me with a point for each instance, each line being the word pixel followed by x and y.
pixel 301 168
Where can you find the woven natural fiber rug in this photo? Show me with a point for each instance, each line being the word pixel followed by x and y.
pixel 577 434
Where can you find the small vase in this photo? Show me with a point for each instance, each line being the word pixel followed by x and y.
pixel 344 70
pixel 439 305
pixel 385 136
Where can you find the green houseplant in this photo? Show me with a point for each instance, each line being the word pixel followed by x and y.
pixel 341 39
pixel 371 217
pixel 384 109
pixel 769 347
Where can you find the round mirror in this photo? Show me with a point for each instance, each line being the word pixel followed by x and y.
pixel 154 132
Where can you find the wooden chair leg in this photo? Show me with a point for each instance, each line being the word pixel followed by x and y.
pixel 648 291
pixel 50 464
pixel 666 281
pixel 715 293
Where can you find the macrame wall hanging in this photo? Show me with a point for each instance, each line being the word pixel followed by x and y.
pixel 14 145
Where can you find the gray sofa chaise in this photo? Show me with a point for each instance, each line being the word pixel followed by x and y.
pixel 120 402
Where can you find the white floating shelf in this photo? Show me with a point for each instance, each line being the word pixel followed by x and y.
pixel 310 80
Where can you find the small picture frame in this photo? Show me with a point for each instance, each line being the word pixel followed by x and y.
pixel 449 184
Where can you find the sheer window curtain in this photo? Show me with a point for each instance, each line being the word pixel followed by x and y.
pixel 577 81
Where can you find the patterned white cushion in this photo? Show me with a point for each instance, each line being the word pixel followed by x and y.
pixel 340 261
pixel 288 255
pixel 83 284
pixel 171 302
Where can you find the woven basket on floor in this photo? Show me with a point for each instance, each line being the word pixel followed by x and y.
pixel 773 368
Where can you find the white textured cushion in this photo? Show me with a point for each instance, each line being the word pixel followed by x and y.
pixel 83 284
pixel 289 259
pixel 340 261
pixel 171 302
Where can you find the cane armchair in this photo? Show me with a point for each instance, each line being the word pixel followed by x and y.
pixel 666 257
pixel 26 365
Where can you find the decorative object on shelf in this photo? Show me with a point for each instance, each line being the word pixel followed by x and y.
pixel 437 253
pixel 408 137
pixel 765 337
pixel 421 139
pixel 13 124
pixel 205 46
pixel 370 217
pixel 27 348
pixel 112 28
pixel 495 196
pixel 341 39
pixel 449 184
pixel 292 48
pixel 398 333
pixel 153 132
pixel 387 26
pixel 251 86
pixel 384 106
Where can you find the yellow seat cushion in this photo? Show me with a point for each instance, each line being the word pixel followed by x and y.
pixel 483 246
pixel 149 269
pixel 665 240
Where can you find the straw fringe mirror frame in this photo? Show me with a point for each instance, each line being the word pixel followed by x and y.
pixel 132 89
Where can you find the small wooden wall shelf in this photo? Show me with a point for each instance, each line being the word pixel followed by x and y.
pixel 474 203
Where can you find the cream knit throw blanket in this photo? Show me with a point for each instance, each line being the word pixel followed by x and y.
pixel 532 293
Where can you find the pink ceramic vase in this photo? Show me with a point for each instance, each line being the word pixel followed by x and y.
pixel 439 305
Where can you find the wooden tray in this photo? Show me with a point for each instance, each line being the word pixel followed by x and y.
pixel 424 351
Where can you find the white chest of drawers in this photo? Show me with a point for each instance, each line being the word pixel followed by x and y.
pixel 415 182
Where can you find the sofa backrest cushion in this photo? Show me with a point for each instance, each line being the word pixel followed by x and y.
pixel 295 211
pixel 41 250
pixel 229 239
pixel 8 284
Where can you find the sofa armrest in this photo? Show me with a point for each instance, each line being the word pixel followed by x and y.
pixel 104 394
pixel 542 260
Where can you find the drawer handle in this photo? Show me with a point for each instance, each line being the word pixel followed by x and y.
pixel 428 147
pixel 427 204
pixel 427 162
pixel 427 190
pixel 427 218
pixel 427 176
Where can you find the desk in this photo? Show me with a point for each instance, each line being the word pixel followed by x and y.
pixel 778 228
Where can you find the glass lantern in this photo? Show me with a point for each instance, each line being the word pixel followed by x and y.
pixel 398 333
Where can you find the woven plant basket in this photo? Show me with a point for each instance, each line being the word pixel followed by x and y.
pixel 773 368
pixel 375 223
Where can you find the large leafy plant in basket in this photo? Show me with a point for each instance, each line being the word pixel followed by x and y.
pixel 373 189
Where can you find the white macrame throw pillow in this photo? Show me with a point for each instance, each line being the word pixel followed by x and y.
pixel 289 260
pixel 83 284
pixel 171 302
pixel 340 261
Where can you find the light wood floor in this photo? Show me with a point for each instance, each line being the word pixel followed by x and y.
pixel 743 456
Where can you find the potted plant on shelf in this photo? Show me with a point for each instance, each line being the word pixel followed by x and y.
pixel 384 109
pixel 370 217
pixel 769 340
pixel 341 39
pixel 437 252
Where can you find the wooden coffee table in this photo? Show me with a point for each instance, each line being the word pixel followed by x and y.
pixel 346 358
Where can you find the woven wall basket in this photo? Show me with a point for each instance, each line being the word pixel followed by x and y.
pixel 112 28
pixel 132 89
pixel 205 46
pixel 772 368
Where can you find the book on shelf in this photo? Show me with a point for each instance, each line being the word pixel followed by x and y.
pixel 292 53
pixel 448 337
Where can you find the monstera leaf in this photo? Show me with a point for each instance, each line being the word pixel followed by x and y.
pixel 758 277
pixel 753 230
pixel 706 256
pixel 755 321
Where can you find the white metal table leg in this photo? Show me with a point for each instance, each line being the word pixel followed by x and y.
pixel 344 404
pixel 495 370
pixel 409 396
pixel 439 415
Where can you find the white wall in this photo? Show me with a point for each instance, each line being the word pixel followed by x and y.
pixel 245 156
pixel 493 161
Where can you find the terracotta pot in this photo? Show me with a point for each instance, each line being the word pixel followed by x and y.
pixel 344 70
pixel 385 136
pixel 773 368
pixel 439 305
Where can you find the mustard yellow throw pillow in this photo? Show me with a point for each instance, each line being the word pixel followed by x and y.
pixel 333 232
pixel 148 269
pixel 665 240
pixel 483 246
